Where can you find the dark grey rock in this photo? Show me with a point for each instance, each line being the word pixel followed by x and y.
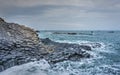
pixel 72 33
pixel 17 44
pixel 65 51
pixel 69 33
pixel 96 45
pixel 20 44
pixel 2 20
pixel 86 47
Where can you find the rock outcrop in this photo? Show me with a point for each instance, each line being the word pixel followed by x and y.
pixel 17 33
pixel 64 51
pixel 20 44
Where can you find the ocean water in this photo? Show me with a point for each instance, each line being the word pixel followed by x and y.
pixel 105 60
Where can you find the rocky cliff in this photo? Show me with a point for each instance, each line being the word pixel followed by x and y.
pixel 20 44
pixel 17 33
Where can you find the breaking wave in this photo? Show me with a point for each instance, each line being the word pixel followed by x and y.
pixel 105 60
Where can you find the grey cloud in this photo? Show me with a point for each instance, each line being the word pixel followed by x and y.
pixel 62 14
pixel 82 3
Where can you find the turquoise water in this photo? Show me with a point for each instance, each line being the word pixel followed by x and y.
pixel 105 60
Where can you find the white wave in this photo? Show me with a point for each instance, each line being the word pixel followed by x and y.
pixel 72 41
pixel 81 42
pixel 84 67
pixel 87 67
pixel 96 46
pixel 32 68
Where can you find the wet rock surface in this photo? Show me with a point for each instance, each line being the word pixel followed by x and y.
pixel 65 51
pixel 20 44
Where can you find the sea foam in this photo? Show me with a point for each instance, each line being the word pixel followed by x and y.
pixel 32 68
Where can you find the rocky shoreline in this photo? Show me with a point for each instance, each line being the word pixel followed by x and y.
pixel 74 33
pixel 20 44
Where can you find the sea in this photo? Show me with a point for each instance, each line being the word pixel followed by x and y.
pixel 105 60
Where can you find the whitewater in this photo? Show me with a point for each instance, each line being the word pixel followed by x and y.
pixel 105 60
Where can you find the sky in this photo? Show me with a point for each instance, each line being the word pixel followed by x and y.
pixel 63 14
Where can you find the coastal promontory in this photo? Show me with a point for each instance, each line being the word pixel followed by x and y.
pixel 20 44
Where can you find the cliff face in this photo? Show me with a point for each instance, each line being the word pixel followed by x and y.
pixel 17 33
pixel 20 44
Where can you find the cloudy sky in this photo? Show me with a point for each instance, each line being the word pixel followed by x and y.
pixel 63 14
